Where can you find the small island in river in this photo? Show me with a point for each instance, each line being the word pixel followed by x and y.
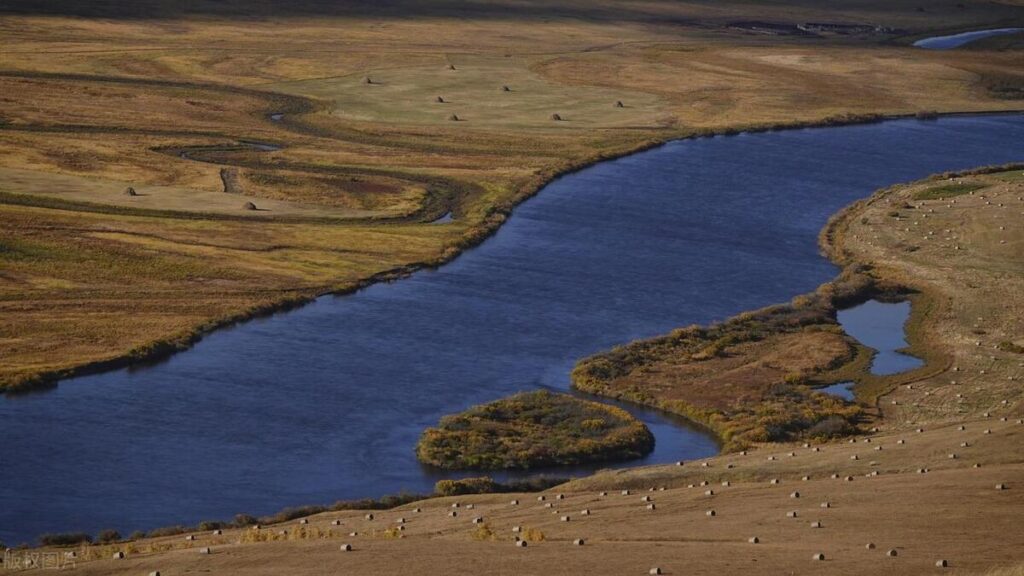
pixel 532 430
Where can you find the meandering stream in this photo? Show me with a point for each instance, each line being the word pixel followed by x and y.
pixel 326 402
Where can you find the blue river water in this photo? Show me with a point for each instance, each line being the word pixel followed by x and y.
pixel 326 402
pixel 957 40
pixel 880 325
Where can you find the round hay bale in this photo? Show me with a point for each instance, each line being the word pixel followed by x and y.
pixel 478 520
pixel 417 510
pixel 118 555
pixel 303 521
pixel 353 534
pixel 654 570
pixel 129 191
pixel 792 514
pixel 585 512
pixel 826 505
pixel 709 492
pixel 190 537
pixel 711 513
pixel 566 518
pixel 514 502
pixel 556 117
pixel 517 529
pixel 205 550
pixel 651 506
pixel 625 492
pixel 345 547
pixel 754 540
pixel 645 498
pixel 818 557
pixel 773 481
pixel 369 516
pixel 248 206
pixel 154 573
pixel 941 564
pixel 521 543
pixel 560 497
pixel 469 506
pixel 892 553
pixel 794 495
pixel 870 545
pixel 453 514
pixel 815 524
pixel 336 523
pixel 578 542
pixel 217 532
pixel 1000 486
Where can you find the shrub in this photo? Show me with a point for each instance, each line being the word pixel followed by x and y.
pixel 167 531
pixel 243 520
pixel 108 536
pixel 534 429
pixel 65 539
pixel 208 525
pixel 831 427
pixel 482 485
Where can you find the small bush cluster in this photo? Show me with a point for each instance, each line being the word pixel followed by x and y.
pixel 534 429
pixel 486 485
pixel 65 539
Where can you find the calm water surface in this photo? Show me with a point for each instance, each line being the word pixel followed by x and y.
pixel 958 40
pixel 326 402
pixel 880 325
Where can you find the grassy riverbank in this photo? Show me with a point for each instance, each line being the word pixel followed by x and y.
pixel 96 103
pixel 533 430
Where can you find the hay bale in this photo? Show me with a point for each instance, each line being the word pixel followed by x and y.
pixel 566 518
pixel 129 191
pixel 453 514
pixel 585 512
pixel 726 483
pixel 625 492
pixel 469 506
pixel 651 506
pixel 654 570
pixel 217 532
pixel 369 516
pixel 400 521
pixel 454 118
pixel 794 495
pixel 818 557
pixel 754 540
pixel 118 555
pixel 826 505
pixel 619 104
pixel 560 497
pixel 578 542
pixel 773 481
pixel 892 553
pixel 451 66
pixel 248 206
pixel 602 494
pixel 792 514
pixel 304 521
pixel 815 524
pixel 190 537
pixel 709 492
pixel 645 499
pixel 556 117
pixel 478 520
pixel 514 502
pixel 941 564
pixel 154 573
pixel 710 513
pixel 336 523
pixel 521 543
pixel 679 463
pixel 506 89
pixel 353 534
pixel 205 550
pixel 417 510
pixel 517 529
pixel 870 545
pixel 367 80
pixel 1000 486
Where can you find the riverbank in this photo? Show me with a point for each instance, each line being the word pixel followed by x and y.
pixel 101 123
pixel 751 378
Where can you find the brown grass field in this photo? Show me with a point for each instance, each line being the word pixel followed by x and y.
pixel 95 97
pixel 99 96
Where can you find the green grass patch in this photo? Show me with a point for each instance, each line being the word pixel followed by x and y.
pixel 947 191
pixel 534 429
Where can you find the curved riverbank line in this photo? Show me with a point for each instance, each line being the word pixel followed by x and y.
pixel 957 40
pixel 626 249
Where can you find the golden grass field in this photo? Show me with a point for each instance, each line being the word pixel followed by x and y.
pixel 116 94
pixel 938 478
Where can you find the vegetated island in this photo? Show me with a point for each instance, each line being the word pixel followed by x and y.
pixel 532 430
